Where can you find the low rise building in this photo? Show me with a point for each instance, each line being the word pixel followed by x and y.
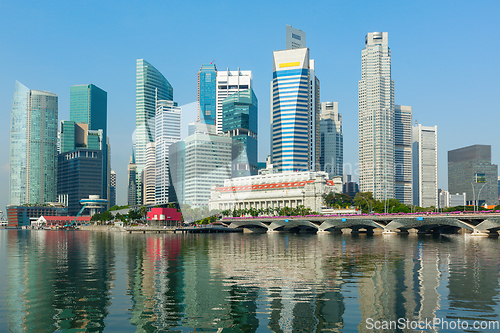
pixel 164 216
pixel 286 189
pixel 452 200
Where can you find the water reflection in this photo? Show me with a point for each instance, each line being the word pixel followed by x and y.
pixel 66 281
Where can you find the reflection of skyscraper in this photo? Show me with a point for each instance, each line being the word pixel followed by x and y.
pixel 151 85
pixel 376 118
pixel 33 146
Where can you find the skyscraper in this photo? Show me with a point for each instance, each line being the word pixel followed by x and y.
pixel 112 189
pixel 89 105
pixel 403 154
pixel 295 38
pixel 228 83
pixel 149 174
pixel 470 171
pixel 151 85
pixel 240 122
pixel 207 91
pixel 132 182
pixel 425 166
pixel 295 111
pixel 33 146
pixel 168 130
pixel 376 118
pixel 331 158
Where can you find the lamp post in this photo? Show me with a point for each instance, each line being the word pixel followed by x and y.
pixel 478 194
pixel 473 197
pixel 369 209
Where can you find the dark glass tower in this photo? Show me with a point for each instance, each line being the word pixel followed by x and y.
pixel 89 105
pixel 239 121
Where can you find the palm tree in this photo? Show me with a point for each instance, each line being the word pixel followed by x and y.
pixel 143 211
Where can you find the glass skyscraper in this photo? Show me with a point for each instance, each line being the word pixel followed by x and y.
pixel 151 85
pixel 89 105
pixel 207 91
pixel 376 118
pixel 332 140
pixel 33 146
pixel 239 121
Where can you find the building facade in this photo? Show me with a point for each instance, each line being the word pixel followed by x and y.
pixel 79 176
pixel 89 105
pixel 168 131
pixel 33 146
pixel 425 166
pixel 403 165
pixel 376 118
pixel 228 83
pixel 295 129
pixel 149 175
pixel 240 123
pixel 470 171
pixel 132 182
pixel 207 91
pixel 446 199
pixel 207 162
pixel 151 86
pixel 286 189
pixel 112 189
pixel 331 158
pixel 295 38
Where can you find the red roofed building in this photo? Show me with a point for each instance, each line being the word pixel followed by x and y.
pixel 277 190
pixel 164 216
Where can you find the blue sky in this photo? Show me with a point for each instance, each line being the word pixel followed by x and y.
pixel 445 59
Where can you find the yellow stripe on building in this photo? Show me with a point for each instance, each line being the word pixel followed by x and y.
pixel 290 64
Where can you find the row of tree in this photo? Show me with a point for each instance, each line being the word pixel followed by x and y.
pixel 269 211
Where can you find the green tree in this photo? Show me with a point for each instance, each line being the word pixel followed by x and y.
pixel 337 200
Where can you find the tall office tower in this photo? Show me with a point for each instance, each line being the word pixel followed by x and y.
pixel 228 83
pixel 295 111
pixel 151 86
pixel 425 166
pixel 376 118
pixel 403 190
pixel 295 38
pixel 207 163
pixel 331 158
pixel 167 131
pixel 240 122
pixel 132 182
pixel 207 91
pixel 80 165
pixel 33 146
pixel 149 174
pixel 89 105
pixel 470 171
pixel 112 189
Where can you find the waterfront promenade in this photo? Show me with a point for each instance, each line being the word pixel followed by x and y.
pixel 480 223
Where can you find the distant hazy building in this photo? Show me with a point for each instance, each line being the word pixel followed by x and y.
pixel 228 83
pixel 350 188
pixel 112 189
pixel 470 171
pixel 425 166
pixel 240 123
pixel 207 162
pixel 149 175
pixel 207 87
pixel 295 38
pixel 376 118
pixel 151 86
pixel 132 182
pixel 446 199
pixel 403 154
pixel 197 127
pixel 168 131
pixel 177 166
pixel 295 108
pixel 331 158
pixel 33 146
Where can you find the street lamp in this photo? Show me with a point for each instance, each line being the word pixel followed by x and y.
pixel 369 209
pixel 473 197
pixel 478 194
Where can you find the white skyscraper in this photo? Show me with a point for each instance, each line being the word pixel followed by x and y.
pixel 403 153
pixel 149 175
pixel 167 131
pixel 295 110
pixel 425 166
pixel 376 118
pixel 295 38
pixel 331 140
pixel 229 82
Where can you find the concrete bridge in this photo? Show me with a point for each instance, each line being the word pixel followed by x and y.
pixel 484 224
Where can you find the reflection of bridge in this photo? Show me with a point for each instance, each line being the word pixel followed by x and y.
pixel 478 224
